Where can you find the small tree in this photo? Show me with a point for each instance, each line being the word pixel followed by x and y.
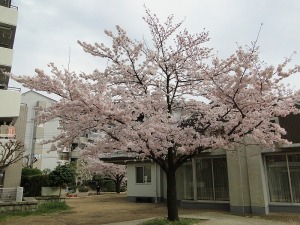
pixel 62 175
pixel 10 152
pixel 83 174
pixel 29 160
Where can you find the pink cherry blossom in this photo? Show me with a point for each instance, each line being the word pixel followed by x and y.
pixel 147 100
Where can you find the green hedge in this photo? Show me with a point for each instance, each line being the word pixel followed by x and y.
pixel 33 184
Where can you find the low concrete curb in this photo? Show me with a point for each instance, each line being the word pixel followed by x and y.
pixel 216 218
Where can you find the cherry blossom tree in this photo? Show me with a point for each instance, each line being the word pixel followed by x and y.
pixel 111 171
pixel 82 172
pixel 170 98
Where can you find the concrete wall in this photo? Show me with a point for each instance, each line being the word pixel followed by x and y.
pixel 257 181
pixel 10 103
pixel 8 15
pixel 238 181
pixel 50 191
pixel 13 172
pixel 247 184
pixel 6 56
pixel 18 206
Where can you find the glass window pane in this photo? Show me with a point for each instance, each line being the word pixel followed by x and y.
pixel 278 178
pixel 188 188
pixel 294 168
pixel 204 179
pixel 147 174
pixel 140 174
pixel 221 179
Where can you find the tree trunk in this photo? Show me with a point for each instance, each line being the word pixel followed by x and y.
pixel 171 189
pixel 118 185
pixel 59 193
pixel 171 196
pixel 1 177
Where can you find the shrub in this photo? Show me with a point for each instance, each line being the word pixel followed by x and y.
pixel 83 189
pixel 26 172
pixel 33 184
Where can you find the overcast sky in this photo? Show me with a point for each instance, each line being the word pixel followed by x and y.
pixel 48 30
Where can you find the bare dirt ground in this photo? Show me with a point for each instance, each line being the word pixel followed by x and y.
pixel 98 209
pixel 113 208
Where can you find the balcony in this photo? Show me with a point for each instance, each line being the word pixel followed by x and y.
pixel 6 57
pixel 7 131
pixel 75 154
pixel 10 101
pixel 9 13
pixel 7 35
pixel 63 156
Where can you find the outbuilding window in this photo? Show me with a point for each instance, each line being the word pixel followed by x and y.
pixel 143 174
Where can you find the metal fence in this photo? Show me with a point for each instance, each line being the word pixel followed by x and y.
pixel 11 194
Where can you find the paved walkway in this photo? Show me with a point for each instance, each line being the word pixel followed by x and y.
pixel 215 218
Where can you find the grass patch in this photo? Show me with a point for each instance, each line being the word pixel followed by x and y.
pixel 45 208
pixel 52 207
pixel 165 221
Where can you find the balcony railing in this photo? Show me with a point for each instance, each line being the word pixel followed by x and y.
pixel 63 156
pixel 7 132
pixel 7 3
pixel 7 35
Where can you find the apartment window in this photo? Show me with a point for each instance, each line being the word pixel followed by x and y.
pixel 283 174
pixel 143 174
pixel 212 179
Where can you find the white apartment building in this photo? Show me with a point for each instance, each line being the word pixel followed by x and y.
pixel 40 155
pixel 12 113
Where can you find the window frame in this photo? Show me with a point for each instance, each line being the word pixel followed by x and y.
pixel 286 154
pixel 149 179
pixel 211 160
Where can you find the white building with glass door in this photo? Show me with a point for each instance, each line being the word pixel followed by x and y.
pixel 250 179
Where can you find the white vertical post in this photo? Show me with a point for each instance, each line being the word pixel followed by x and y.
pixel 19 195
pixel 194 169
